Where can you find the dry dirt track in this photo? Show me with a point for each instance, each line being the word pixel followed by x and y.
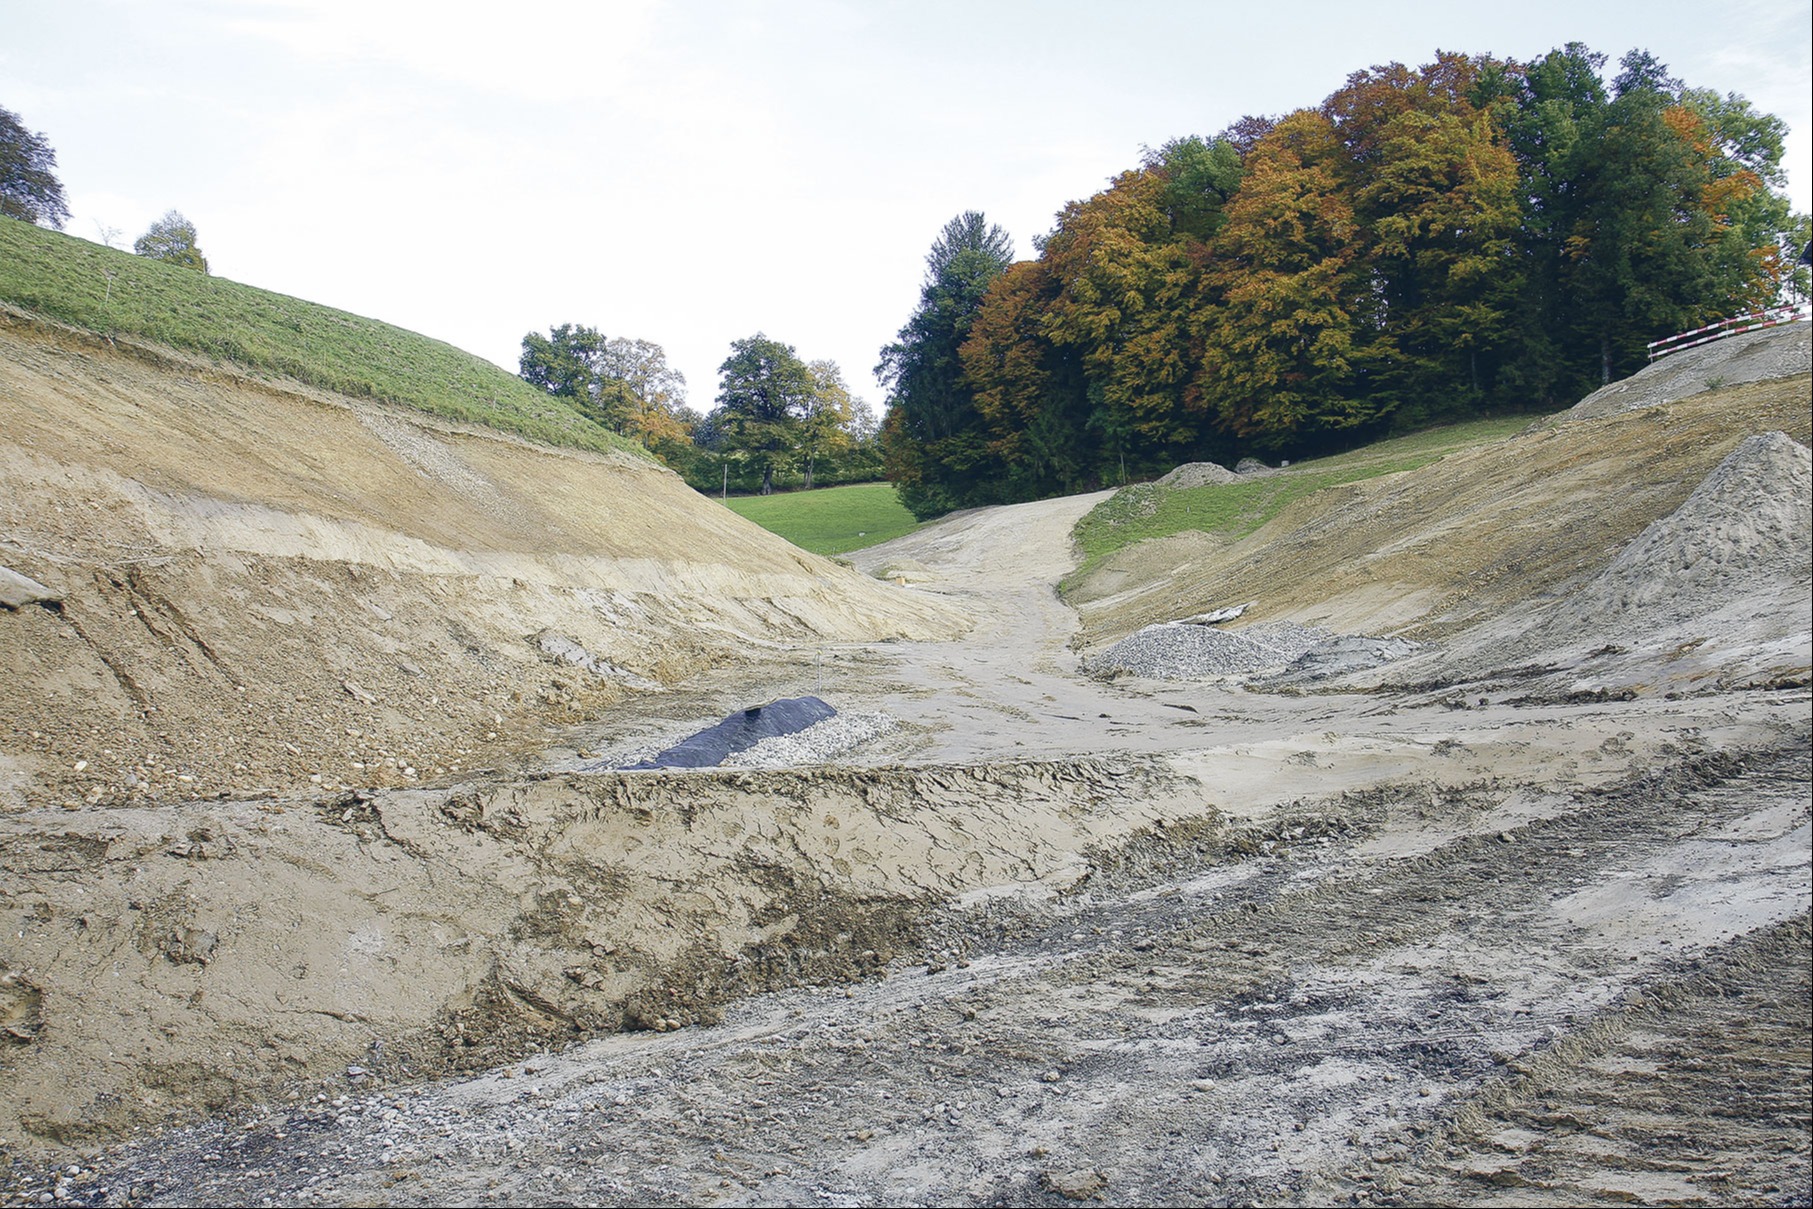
pixel 1389 948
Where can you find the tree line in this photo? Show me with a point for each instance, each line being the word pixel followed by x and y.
pixel 779 421
pixel 1473 236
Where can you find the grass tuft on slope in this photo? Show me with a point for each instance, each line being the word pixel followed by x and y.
pixel 1145 511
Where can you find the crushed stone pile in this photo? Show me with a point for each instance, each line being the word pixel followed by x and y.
pixel 1777 352
pixel 817 744
pixel 828 738
pixel 1197 474
pixel 1181 651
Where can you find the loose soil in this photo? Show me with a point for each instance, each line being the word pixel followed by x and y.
pixel 1498 932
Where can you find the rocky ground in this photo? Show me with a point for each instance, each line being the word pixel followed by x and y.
pixel 1515 918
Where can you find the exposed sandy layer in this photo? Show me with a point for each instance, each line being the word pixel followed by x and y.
pixel 263 586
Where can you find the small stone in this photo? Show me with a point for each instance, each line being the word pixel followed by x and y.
pixel 1083 1184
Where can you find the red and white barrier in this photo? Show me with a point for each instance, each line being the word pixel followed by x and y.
pixel 1755 321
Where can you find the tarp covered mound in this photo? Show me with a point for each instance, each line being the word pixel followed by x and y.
pixel 739 732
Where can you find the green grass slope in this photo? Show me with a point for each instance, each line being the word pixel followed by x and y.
pixel 1237 509
pixel 117 294
pixel 832 520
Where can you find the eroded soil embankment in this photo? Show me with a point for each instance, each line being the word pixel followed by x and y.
pixel 168 960
pixel 257 587
pixel 1315 1010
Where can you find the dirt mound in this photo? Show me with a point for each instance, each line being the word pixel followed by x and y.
pixel 1743 533
pixel 1714 592
pixel 1779 352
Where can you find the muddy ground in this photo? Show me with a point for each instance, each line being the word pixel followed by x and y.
pixel 1488 930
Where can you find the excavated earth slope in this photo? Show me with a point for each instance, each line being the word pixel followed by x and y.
pixel 1519 919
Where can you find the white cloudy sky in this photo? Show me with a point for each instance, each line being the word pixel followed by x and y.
pixel 695 171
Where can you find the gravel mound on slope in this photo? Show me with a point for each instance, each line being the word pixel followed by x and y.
pixel 1197 474
pixel 1778 352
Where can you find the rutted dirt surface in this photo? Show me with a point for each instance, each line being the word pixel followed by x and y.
pixel 1518 932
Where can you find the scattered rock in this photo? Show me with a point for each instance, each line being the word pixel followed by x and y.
pixel 17 591
pixel 1083 1184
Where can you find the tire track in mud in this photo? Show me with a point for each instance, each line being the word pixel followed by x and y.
pixel 1285 1017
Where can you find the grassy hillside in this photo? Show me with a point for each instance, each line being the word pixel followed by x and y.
pixel 118 294
pixel 1237 509
pixel 833 520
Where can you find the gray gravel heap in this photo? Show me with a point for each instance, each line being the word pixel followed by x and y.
pixel 1179 651
pixel 817 744
pixel 1197 474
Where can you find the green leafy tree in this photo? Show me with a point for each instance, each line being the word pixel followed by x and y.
pixel 29 188
pixel 933 437
pixel 826 419
pixel 172 239
pixel 765 393
pixel 564 362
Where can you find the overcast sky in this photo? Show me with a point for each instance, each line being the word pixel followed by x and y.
pixel 695 172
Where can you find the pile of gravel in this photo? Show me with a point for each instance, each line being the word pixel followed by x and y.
pixel 1180 651
pixel 1777 352
pixel 1197 474
pixel 819 743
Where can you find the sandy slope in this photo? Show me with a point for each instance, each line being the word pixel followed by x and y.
pixel 1177 943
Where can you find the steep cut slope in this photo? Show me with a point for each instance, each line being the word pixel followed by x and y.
pixel 260 588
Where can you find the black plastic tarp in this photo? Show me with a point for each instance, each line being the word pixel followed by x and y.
pixel 739 732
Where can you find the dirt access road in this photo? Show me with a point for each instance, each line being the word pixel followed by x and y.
pixel 1388 947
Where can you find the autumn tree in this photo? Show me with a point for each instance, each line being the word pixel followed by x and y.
pixel 1434 186
pixel 1032 395
pixel 29 188
pixel 624 385
pixel 647 393
pixel 172 239
pixel 1283 341
pixel 826 418
pixel 1128 283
